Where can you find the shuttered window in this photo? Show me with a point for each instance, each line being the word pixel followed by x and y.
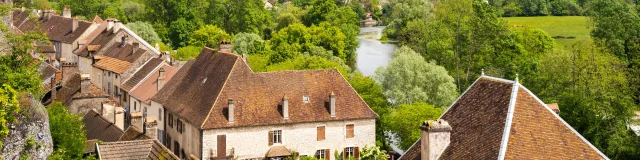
pixel 222 145
pixel 321 131
pixel 275 137
pixel 351 152
pixel 349 129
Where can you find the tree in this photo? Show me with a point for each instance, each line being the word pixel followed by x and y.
pixel 371 92
pixel 319 10
pixel 181 31
pixel 208 35
pixel 247 16
pixel 409 78
pixel 405 119
pixel 188 52
pixel 248 43
pixel 133 10
pixel 373 153
pixel 591 87
pixel 9 106
pixel 145 31
pixel 67 132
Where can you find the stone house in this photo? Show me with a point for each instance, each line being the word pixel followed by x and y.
pixel 144 84
pixel 217 107
pixel 64 32
pixel 500 119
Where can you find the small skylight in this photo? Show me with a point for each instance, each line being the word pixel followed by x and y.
pixel 305 99
pixel 205 80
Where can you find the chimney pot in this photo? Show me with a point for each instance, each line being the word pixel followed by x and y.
pixel 231 109
pixel 285 107
pixel 66 12
pixel 434 138
pixel 332 103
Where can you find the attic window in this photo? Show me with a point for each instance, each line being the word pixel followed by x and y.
pixel 205 80
pixel 305 99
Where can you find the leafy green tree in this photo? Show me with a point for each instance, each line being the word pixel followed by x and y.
pixel 209 36
pixel 319 10
pixel 373 153
pixel 405 119
pixel 134 11
pixel 371 92
pixel 591 88
pixel 409 78
pixel 67 132
pixel 181 32
pixel 247 44
pixel 188 52
pixel 306 63
pixel 400 12
pixel 145 31
pixel 9 106
pixel 247 16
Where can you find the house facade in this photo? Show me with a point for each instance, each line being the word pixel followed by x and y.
pixel 217 107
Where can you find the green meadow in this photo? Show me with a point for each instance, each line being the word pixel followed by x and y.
pixel 565 26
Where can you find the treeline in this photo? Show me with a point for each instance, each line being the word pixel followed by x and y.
pixel 513 8
pixel 595 82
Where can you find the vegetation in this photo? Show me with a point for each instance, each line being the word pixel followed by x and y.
pixel 404 120
pixel 561 27
pixel 9 106
pixel 69 137
pixel 145 31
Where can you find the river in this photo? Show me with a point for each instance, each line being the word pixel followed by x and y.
pixel 371 52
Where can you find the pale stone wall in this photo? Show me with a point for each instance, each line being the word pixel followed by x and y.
pixel 83 105
pixel 85 66
pixel 66 49
pixel 156 110
pixel 252 142
pixel 189 139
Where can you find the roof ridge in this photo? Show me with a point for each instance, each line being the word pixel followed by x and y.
pixel 220 92
pixel 286 71
pixel 564 122
pixel 148 75
pixel 509 120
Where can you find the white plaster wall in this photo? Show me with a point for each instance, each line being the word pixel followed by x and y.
pixel 85 66
pixel 252 142
pixel 189 139
pixel 156 110
pixel 66 51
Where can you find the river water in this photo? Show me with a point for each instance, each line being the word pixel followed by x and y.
pixel 371 52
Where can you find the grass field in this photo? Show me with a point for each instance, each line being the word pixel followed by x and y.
pixel 576 26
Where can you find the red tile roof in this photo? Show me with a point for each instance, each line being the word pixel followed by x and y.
pixel 57 28
pixel 135 150
pixel 199 93
pixel 98 127
pixel 113 65
pixel 141 73
pixel 149 87
pixel 478 120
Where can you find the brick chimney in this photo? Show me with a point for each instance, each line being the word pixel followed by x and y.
pixel 74 24
pixel 85 84
pixel 230 110
pixel 109 24
pixel 116 26
pixel 66 12
pixel 161 77
pixel 434 138
pixel 285 107
pixel 332 103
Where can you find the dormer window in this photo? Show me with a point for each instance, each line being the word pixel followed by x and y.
pixel 305 99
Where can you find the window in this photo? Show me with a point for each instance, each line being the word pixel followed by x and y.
pixel 170 119
pixel 349 129
pixel 135 106
pixel 305 99
pixel 177 148
pixel 348 152
pixel 275 137
pixel 168 142
pixel 320 135
pixel 144 111
pixel 323 154
pixel 159 114
pixel 179 126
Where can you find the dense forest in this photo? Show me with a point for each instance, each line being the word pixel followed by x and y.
pixel 446 45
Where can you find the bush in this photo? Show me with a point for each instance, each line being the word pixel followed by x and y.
pixel 188 52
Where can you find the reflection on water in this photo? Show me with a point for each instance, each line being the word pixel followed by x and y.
pixel 373 53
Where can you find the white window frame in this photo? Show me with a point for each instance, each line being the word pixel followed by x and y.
pixel 321 154
pixel 349 151
pixel 277 136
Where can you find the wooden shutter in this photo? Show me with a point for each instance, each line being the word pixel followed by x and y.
pixel 356 153
pixel 222 145
pixel 344 153
pixel 350 133
pixel 327 154
pixel 270 138
pixel 321 133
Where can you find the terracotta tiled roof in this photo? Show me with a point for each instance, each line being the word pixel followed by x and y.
pixel 478 120
pixel 135 150
pixel 47 49
pixel 199 94
pixel 113 65
pixel 149 87
pixel 99 38
pixel 93 48
pixel 57 28
pixel 124 53
pixel 133 133
pixel 97 19
pixel 98 127
pixel 141 73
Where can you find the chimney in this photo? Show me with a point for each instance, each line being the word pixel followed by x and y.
pixel 332 103
pixel 118 117
pixel 82 43
pixel 161 76
pixel 54 92
pixel 231 108
pixel 123 40
pixel 136 46
pixel 435 137
pixel 109 24
pixel 151 127
pixel 74 24
pixel 285 107
pixel 46 14
pixel 157 47
pixel 167 57
pixel 66 12
pixel 136 120
pixel 116 26
pixel 85 84
pixel 144 123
